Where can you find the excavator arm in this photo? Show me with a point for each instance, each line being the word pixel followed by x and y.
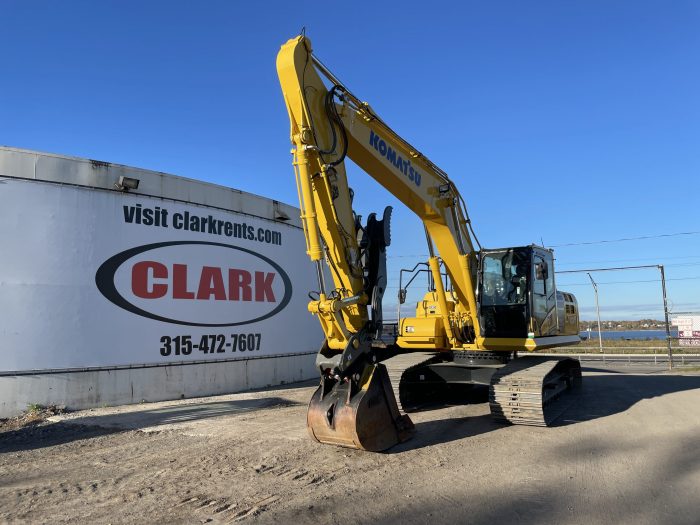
pixel 328 125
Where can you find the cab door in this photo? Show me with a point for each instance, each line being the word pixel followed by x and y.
pixel 544 294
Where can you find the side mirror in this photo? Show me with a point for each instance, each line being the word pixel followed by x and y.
pixel 402 295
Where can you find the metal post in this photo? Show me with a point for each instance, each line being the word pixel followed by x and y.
pixel 589 333
pixel 668 326
pixel 398 313
pixel 597 309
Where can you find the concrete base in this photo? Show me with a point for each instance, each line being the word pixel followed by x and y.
pixel 90 389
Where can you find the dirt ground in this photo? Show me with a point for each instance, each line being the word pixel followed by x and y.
pixel 626 452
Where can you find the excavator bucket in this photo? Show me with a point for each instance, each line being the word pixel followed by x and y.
pixel 358 414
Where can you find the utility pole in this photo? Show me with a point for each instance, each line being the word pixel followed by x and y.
pixel 597 309
pixel 668 326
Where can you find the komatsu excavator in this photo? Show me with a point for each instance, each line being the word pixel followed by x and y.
pixel 482 306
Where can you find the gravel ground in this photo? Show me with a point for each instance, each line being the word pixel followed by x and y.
pixel 625 452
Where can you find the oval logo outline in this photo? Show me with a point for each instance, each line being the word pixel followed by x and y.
pixel 104 279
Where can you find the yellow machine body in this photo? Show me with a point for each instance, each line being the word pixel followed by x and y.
pixel 426 330
pixel 327 125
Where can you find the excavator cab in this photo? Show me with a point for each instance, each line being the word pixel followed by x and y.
pixel 517 295
pixel 506 290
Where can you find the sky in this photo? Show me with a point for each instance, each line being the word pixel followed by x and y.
pixel 562 123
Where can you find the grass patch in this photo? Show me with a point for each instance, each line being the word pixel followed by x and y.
pixel 35 414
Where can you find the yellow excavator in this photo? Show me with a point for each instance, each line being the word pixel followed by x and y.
pixel 482 306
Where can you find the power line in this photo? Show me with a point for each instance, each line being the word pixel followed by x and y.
pixel 612 269
pixel 683 264
pixel 641 267
pixel 665 257
pixel 639 281
pixel 623 239
pixel 613 282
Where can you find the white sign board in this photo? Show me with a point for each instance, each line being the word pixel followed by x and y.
pixel 94 278
pixel 688 329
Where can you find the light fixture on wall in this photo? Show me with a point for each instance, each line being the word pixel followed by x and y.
pixel 127 183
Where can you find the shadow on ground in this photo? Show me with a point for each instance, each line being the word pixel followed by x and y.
pixel 585 369
pixel 605 395
pixel 438 431
pixel 170 415
pixel 601 396
pixel 637 500
pixel 46 435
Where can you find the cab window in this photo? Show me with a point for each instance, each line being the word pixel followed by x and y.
pixel 539 282
pixel 549 275
pixel 504 278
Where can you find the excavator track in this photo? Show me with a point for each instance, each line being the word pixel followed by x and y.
pixel 533 390
pixel 401 364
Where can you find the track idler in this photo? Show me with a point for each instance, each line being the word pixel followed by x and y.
pixel 358 412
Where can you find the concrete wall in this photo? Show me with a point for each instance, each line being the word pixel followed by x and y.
pixel 95 388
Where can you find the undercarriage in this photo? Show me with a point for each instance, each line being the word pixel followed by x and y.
pixel 370 411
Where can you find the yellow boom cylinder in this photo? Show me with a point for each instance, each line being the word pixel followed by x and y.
pixel 434 264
